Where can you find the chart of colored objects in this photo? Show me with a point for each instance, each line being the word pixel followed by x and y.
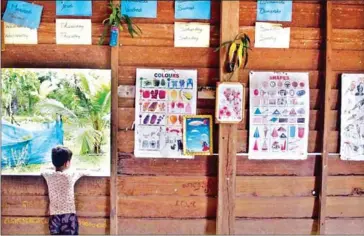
pixel 163 97
pixel 279 115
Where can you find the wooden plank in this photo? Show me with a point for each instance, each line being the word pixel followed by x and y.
pixel 243 226
pixel 326 121
pixel 345 207
pixel 347 60
pixel 336 79
pixel 348 16
pixel 56 56
pixel 261 59
pixel 340 167
pixel 36 186
pixel 39 225
pixel 345 185
pixel 38 206
pixel 114 139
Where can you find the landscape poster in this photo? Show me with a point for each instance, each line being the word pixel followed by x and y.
pixel 45 108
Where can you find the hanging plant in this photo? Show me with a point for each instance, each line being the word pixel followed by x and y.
pixel 115 22
pixel 238 50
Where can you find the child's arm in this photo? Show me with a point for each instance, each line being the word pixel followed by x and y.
pixel 86 172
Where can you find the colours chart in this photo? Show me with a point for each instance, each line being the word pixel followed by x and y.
pixel 163 97
pixel 279 115
pixel 352 117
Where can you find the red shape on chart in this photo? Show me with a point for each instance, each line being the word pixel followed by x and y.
pixel 255 148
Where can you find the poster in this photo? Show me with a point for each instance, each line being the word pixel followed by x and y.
pixel 191 34
pixel 74 8
pixel 197 135
pixel 44 108
pixel 268 35
pixel 20 35
pixel 23 14
pixel 139 8
pixel 196 10
pixel 279 115
pixel 229 102
pixel 73 31
pixel 274 10
pixel 352 117
pixel 162 98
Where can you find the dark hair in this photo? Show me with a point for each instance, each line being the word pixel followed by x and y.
pixel 60 155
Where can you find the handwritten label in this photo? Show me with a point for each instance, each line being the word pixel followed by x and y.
pixel 268 35
pixel 192 10
pixel 23 14
pixel 20 35
pixel 24 221
pixel 74 8
pixel 208 187
pixel 139 8
pixel 186 204
pixel 73 31
pixel 274 10
pixel 191 35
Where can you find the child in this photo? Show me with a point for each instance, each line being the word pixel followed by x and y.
pixel 61 180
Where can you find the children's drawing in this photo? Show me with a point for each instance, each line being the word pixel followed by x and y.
pixel 197 139
pixel 229 103
pixel 279 110
pixel 162 98
pixel 352 117
pixel 44 108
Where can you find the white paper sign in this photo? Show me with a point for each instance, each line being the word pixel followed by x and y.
pixel 279 115
pixel 269 35
pixel 352 117
pixel 73 31
pixel 20 35
pixel 191 34
pixel 162 98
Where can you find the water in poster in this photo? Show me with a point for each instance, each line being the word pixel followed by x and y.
pixel 279 115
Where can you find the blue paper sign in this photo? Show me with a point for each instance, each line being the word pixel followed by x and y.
pixel 74 8
pixel 23 14
pixel 192 10
pixel 274 10
pixel 139 8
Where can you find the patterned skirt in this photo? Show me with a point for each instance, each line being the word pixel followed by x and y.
pixel 65 224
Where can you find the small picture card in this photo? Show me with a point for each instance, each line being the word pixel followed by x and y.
pixel 197 136
pixel 192 10
pixel 139 8
pixel 229 102
pixel 20 35
pixel 274 10
pixel 73 31
pixel 268 35
pixel 74 8
pixel 191 34
pixel 23 14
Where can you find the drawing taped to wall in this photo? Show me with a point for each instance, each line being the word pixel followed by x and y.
pixel 352 117
pixel 163 97
pixel 44 108
pixel 279 114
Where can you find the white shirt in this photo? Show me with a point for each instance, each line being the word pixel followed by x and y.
pixel 61 190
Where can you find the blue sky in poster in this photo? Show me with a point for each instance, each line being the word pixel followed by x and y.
pixel 192 10
pixel 138 8
pixel 74 8
pixel 23 14
pixel 197 132
pixel 274 10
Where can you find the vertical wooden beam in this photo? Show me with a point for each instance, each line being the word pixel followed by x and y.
pixel 225 222
pixel 114 132
pixel 327 118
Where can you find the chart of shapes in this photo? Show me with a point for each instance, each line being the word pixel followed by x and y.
pixel 279 115
pixel 163 97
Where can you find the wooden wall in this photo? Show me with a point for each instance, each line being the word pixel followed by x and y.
pixel 171 196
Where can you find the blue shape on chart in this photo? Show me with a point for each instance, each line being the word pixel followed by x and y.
pixel 274 10
pixel 257 112
pixel 274 119
pixel 256 133
pixel 192 10
pixel 73 8
pixel 139 8
pixel 23 14
pixel 276 112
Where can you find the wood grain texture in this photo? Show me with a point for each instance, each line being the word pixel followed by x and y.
pixel 39 226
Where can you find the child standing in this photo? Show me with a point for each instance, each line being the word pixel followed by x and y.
pixel 61 180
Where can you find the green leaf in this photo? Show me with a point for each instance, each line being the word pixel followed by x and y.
pixel 222 45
